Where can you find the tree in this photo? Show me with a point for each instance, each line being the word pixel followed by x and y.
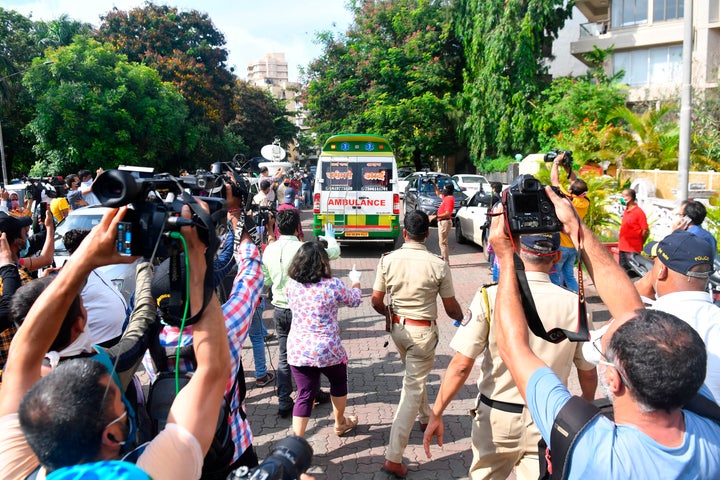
pixel 18 46
pixel 186 48
pixel 95 109
pixel 396 72
pixel 655 135
pixel 261 118
pixel 505 73
pixel 569 102
pixel 60 32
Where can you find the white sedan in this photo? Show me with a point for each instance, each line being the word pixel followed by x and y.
pixel 472 183
pixel 470 220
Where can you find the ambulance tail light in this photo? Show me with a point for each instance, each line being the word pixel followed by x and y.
pixel 316 203
pixel 396 204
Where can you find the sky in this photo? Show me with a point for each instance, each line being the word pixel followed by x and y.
pixel 252 28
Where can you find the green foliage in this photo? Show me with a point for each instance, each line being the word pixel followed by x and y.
pixel 569 103
pixel 601 188
pixel 505 72
pixel 396 72
pixel 18 46
pixel 261 119
pixel 712 221
pixel 705 135
pixel 656 137
pixel 186 48
pixel 94 109
pixel 487 165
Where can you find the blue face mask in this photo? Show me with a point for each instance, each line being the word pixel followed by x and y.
pixel 24 251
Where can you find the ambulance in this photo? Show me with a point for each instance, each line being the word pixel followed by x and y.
pixel 356 189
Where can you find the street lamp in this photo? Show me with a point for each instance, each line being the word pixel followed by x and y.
pixel 2 144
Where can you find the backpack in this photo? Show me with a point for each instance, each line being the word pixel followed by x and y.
pixel 577 413
pixel 162 394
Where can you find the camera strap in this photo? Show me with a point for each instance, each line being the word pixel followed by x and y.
pixel 555 335
pixel 201 219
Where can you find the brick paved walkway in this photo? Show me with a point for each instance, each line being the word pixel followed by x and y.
pixel 375 381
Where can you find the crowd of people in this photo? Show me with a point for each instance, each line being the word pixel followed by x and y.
pixel 71 346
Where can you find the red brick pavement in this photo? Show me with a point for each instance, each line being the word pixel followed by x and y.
pixel 375 380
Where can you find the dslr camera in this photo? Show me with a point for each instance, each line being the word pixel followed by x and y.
pixel 290 457
pixel 528 208
pixel 554 152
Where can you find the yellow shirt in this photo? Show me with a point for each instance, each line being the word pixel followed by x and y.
pixel 581 204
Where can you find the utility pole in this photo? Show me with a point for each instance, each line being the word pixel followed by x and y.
pixel 685 105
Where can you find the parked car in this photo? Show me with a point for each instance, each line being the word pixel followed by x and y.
pixel 471 183
pixel 420 193
pixel 122 275
pixel 471 220
pixel 403 182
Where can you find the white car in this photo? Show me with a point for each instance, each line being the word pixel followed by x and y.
pixel 471 183
pixel 122 275
pixel 403 183
pixel 470 220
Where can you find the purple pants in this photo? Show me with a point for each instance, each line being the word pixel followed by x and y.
pixel 307 380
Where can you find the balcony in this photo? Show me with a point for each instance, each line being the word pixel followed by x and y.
pixel 594 10
pixel 594 29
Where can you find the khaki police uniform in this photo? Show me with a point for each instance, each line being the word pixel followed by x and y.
pixel 503 433
pixel 413 277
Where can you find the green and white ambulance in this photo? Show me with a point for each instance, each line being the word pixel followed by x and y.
pixel 356 189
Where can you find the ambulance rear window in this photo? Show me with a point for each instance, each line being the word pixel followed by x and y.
pixel 365 176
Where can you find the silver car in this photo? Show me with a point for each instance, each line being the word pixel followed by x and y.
pixel 122 275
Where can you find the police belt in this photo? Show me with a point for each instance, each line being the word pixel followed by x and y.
pixel 410 321
pixel 504 406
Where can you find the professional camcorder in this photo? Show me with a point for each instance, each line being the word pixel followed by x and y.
pixel 290 457
pixel 151 226
pixel 554 152
pixel 528 208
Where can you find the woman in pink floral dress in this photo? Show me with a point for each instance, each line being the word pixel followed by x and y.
pixel 314 345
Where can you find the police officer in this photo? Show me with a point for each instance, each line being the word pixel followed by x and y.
pixel 413 277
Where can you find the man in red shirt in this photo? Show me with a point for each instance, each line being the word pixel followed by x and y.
pixel 633 229
pixel 444 217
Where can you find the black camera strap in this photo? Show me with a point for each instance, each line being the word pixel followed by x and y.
pixel 201 219
pixel 555 335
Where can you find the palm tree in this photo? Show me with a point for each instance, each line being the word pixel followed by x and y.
pixel 656 137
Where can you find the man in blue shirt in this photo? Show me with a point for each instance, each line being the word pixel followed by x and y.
pixel 652 364
pixel 692 214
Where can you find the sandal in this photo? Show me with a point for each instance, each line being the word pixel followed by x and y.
pixel 348 424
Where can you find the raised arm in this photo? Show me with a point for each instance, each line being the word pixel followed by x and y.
pixel 43 321
pixel 200 400
pixel 48 251
pixel 611 281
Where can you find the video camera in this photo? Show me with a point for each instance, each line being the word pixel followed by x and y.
pixel 290 457
pixel 554 152
pixel 528 208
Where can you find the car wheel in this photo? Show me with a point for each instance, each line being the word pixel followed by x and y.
pixel 397 242
pixel 485 243
pixel 459 238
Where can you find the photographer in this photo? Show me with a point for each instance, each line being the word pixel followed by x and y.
pixel 577 192
pixel 652 435
pixel 74 415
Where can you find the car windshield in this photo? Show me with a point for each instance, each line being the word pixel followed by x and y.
pixel 426 186
pixel 472 180
pixel 83 222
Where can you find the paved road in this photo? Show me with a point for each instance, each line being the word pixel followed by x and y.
pixel 375 381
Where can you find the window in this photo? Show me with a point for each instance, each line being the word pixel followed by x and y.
pixel 348 176
pixel 629 12
pixel 655 66
pixel 667 10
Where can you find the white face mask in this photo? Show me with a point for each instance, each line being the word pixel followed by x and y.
pixel 82 344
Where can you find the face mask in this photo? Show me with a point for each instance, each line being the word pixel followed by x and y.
pixel 24 251
pixel 622 202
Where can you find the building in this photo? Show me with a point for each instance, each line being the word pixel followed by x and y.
pixel 271 73
pixel 647 36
